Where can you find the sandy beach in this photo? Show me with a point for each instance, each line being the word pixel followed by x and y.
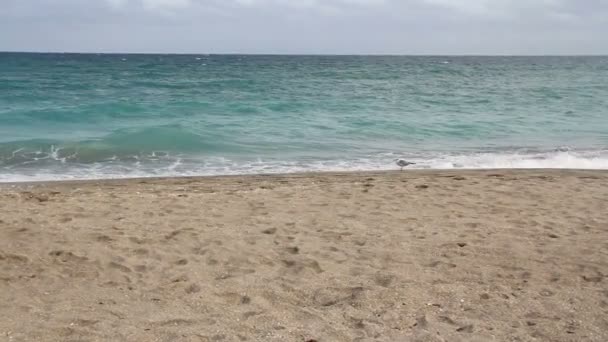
pixel 387 256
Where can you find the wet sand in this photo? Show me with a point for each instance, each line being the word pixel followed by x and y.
pixel 392 256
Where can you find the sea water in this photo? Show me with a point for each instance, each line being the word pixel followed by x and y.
pixel 84 116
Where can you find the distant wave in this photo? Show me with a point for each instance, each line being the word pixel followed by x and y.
pixel 123 145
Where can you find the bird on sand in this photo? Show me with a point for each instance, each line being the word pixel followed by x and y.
pixel 403 163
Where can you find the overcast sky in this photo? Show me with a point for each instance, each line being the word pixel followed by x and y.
pixel 307 26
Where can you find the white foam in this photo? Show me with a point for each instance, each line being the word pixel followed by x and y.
pixel 171 167
pixel 597 160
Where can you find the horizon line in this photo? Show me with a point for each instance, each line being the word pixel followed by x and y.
pixel 304 54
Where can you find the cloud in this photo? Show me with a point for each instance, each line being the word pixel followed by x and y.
pixel 307 26
pixel 150 4
pixel 117 3
pixel 467 6
pixel 497 7
pixel 235 4
pixel 166 4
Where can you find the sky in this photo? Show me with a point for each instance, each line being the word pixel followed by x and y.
pixel 410 27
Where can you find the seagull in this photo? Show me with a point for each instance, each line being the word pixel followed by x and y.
pixel 403 163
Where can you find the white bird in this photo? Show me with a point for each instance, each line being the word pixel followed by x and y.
pixel 403 163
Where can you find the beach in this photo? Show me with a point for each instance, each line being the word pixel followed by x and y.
pixel 487 255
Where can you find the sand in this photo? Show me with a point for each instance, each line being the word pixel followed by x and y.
pixel 393 256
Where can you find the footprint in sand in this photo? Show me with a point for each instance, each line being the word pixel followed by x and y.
pixel 119 267
pixel 66 256
pixel 292 250
pixel 335 295
pixel 384 280
pixel 269 231
pixel 193 288
pixel 298 266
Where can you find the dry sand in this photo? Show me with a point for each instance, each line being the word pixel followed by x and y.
pixel 395 256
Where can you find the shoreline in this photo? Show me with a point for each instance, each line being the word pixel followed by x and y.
pixel 421 255
pixel 420 172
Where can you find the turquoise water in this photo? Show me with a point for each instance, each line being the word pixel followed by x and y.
pixel 66 116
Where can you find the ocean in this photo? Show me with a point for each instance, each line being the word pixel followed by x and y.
pixel 96 116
